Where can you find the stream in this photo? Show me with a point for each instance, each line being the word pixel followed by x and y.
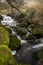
pixel 24 54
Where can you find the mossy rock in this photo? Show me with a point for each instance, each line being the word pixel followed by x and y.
pixel 23 24
pixel 4 36
pixel 36 16
pixel 33 13
pixel 20 30
pixel 14 42
pixel 8 29
pixel 1 17
pixel 36 29
pixel 6 57
pixel 31 38
pixel 41 55
pixel 24 64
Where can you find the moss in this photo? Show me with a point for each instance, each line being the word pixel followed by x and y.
pixel 6 57
pixel 8 29
pixel 1 17
pixel 41 55
pixel 36 29
pixel 24 64
pixel 14 42
pixel 23 23
pixel 4 36
pixel 20 30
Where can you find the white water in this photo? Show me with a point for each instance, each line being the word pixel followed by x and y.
pixel 22 41
pixel 34 47
pixel 13 52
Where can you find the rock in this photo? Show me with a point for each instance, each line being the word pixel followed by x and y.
pixel 23 23
pixel 1 17
pixel 23 56
pixel 20 30
pixel 30 38
pixel 36 15
pixel 14 42
pixel 4 36
pixel 24 64
pixel 6 57
pixel 33 13
pixel 9 30
pixel 40 54
pixel 36 29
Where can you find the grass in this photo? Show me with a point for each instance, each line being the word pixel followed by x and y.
pixel 4 7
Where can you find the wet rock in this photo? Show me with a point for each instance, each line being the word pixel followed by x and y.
pixel 1 17
pixel 14 42
pixel 4 36
pixel 24 64
pixel 28 53
pixel 22 56
pixel 41 55
pixel 23 37
pixel 30 38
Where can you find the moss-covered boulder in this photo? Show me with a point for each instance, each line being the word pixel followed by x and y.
pixel 14 42
pixel 6 57
pixel 9 30
pixel 20 30
pixel 4 36
pixel 41 55
pixel 36 29
pixel 24 64
pixel 36 15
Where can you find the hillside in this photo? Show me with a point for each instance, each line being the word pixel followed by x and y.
pixel 5 8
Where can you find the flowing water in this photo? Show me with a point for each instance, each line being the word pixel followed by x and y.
pixel 26 49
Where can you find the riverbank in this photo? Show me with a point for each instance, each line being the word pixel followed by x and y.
pixel 5 8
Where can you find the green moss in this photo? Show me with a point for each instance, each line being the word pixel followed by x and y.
pixel 14 42
pixel 41 55
pixel 4 36
pixel 20 30
pixel 36 29
pixel 24 64
pixel 1 17
pixel 6 57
